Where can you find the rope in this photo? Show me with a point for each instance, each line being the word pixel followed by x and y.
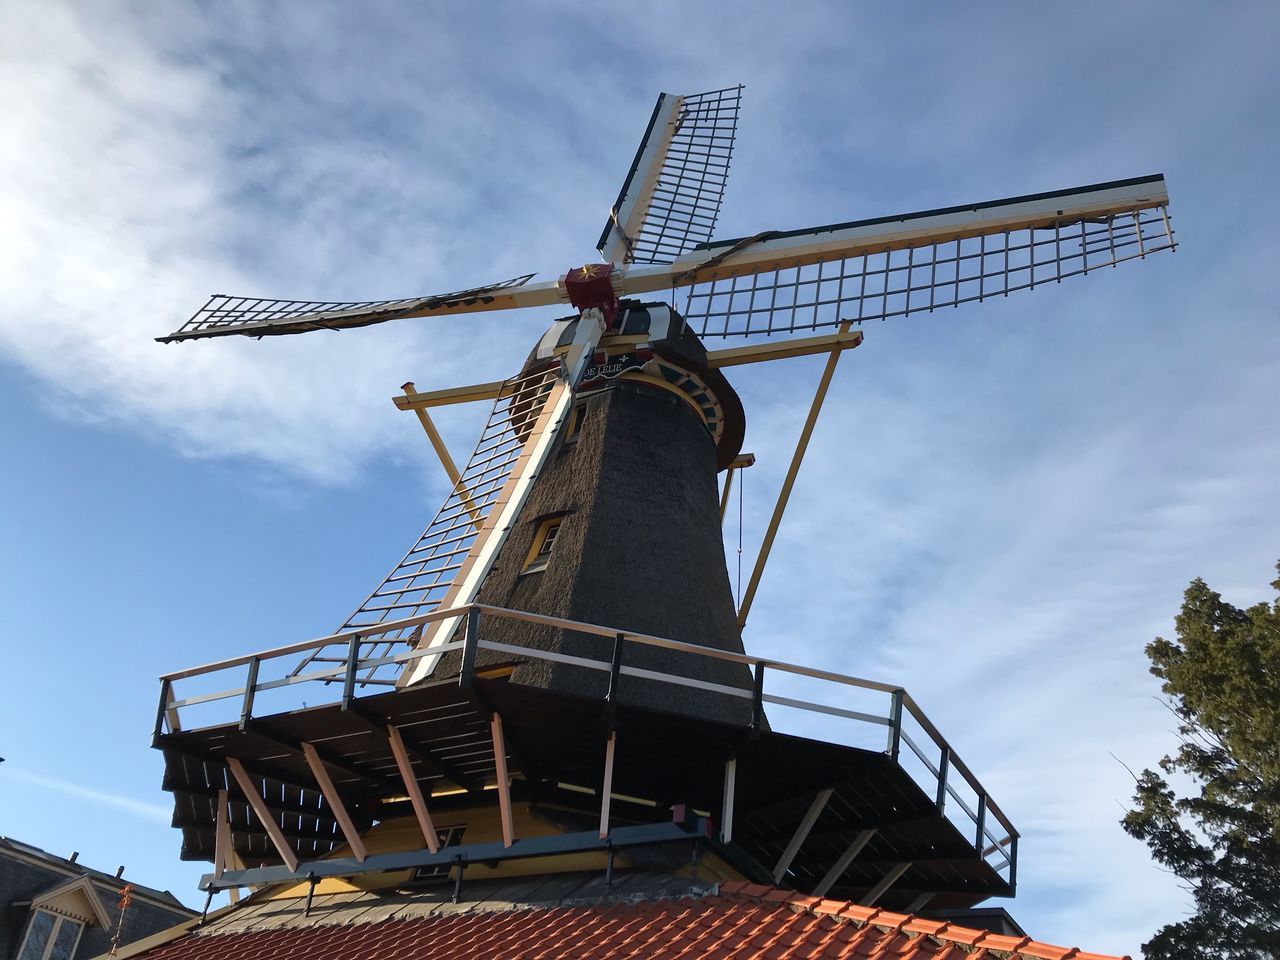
pixel 631 250
pixel 719 258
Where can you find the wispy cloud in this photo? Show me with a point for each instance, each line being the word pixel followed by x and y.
pixel 154 812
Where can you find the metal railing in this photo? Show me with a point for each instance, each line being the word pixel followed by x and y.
pixel 944 775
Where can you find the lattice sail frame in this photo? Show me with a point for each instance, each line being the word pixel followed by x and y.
pixel 671 198
pixel 422 579
pixel 921 277
pixel 223 315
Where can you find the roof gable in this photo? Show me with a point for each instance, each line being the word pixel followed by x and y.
pixel 76 899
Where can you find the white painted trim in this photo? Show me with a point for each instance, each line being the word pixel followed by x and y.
pixel 83 885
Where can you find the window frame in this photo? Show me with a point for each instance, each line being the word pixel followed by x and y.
pixel 545 536
pixel 58 920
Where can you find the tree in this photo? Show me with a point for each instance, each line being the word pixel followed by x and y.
pixel 1222 681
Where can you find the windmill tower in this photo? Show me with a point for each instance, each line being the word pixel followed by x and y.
pixel 554 673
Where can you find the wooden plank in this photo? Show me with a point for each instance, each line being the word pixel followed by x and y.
pixel 726 804
pixel 504 782
pixel 606 791
pixel 259 806
pixel 785 493
pixel 784 349
pixel 413 400
pixel 221 835
pixel 412 789
pixel 334 799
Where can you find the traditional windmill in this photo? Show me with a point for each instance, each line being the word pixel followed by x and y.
pixel 574 579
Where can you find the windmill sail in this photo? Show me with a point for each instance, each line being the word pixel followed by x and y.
pixel 224 315
pixel 423 578
pixel 671 197
pixel 877 269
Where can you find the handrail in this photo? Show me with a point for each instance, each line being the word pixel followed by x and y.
pixel 948 759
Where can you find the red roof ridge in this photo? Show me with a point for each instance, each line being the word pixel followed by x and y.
pixel 977 943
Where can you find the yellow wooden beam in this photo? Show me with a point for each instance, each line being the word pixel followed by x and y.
pixel 412 400
pixel 442 451
pixel 784 349
pixel 785 493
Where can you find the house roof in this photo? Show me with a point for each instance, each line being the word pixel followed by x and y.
pixel 731 921
pixel 71 868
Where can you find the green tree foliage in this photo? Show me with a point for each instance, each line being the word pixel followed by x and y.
pixel 1222 680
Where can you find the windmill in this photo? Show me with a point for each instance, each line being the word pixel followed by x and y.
pixel 591 495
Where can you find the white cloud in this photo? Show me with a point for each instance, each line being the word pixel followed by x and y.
pixel 1001 505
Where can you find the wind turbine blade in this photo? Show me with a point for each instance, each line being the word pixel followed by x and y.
pixel 781 282
pixel 250 317
pixel 671 197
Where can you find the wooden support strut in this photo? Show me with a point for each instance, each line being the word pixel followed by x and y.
pixel 504 781
pixel 802 833
pixel 259 806
pixel 606 789
pixel 801 446
pixel 889 880
pixel 726 806
pixel 442 451
pixel 840 866
pixel 334 799
pixel 411 787
pixel 221 835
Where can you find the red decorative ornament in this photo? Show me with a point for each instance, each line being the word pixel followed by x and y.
pixel 591 286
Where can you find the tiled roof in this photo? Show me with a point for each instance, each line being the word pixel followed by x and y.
pixel 736 922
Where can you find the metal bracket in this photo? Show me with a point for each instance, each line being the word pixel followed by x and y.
pixel 543 846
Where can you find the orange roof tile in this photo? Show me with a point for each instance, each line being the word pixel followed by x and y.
pixel 742 921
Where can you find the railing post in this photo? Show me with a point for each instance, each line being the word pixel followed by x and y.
pixel 757 697
pixel 1013 866
pixel 349 684
pixel 944 767
pixel 166 689
pixel 895 724
pixel 470 643
pixel 250 688
pixel 615 677
pixel 980 842
pixel 615 667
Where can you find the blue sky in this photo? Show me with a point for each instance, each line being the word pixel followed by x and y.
pixel 1001 506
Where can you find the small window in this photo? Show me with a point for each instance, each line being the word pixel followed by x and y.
pixel 544 539
pixel 448 837
pixel 575 423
